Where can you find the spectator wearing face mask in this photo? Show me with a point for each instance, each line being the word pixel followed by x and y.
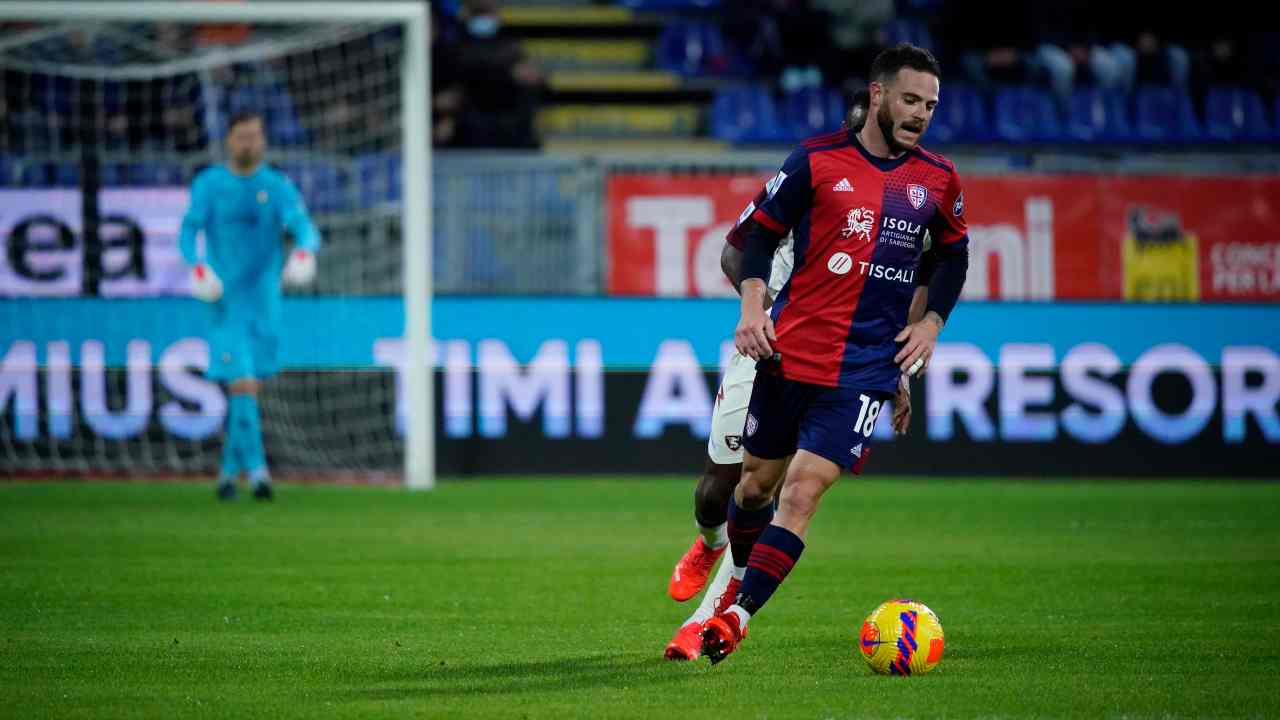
pixel 500 86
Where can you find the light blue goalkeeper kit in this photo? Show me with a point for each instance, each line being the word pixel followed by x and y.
pixel 244 219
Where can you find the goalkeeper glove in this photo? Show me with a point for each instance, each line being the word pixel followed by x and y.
pixel 301 268
pixel 205 284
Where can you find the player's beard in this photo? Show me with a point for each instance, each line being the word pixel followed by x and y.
pixel 246 160
pixel 887 127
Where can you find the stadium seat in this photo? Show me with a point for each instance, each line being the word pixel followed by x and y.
pixel 811 111
pixel 321 183
pixel 745 114
pixel 8 171
pixel 910 30
pixel 1026 114
pixel 379 175
pixel 1233 113
pixel 659 5
pixel 1164 115
pixel 1096 115
pixel 696 48
pixel 960 117
pixel 49 174
pixel 153 174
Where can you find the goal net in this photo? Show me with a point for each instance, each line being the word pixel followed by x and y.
pixel 106 114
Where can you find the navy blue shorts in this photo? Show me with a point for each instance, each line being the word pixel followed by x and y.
pixel 834 423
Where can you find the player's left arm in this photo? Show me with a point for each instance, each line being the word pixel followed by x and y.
pixel 951 250
pixel 901 419
pixel 301 266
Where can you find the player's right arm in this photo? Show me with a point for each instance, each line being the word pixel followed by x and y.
pixel 785 200
pixel 205 283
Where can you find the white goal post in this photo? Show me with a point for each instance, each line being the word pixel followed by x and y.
pixel 415 206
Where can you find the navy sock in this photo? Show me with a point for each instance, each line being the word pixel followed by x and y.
pixel 745 527
pixel 773 557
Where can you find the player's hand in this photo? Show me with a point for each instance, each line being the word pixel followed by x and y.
pixel 205 284
pixel 902 406
pixel 300 269
pixel 754 336
pixel 918 340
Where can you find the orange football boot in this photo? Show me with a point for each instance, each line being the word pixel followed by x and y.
pixel 687 643
pixel 720 636
pixel 690 574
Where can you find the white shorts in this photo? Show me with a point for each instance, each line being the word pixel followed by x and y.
pixel 724 446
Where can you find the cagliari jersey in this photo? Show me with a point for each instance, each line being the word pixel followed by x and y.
pixel 859 224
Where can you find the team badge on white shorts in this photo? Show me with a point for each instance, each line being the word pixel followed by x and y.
pixel 917 195
pixel 752 425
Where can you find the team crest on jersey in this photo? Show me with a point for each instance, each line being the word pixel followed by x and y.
pixel 262 197
pixel 917 195
pixel 752 425
pixel 859 221
pixel 958 208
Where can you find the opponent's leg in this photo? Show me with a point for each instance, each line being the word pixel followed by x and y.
pixel 246 431
pixel 709 510
pixel 690 574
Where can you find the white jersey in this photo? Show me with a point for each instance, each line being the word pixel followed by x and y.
pixel 784 260
pixel 724 446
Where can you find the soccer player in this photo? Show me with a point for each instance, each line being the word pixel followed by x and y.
pixel 244 207
pixel 724 449
pixel 837 338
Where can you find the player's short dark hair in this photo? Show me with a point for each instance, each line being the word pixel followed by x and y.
pixel 903 55
pixel 243 116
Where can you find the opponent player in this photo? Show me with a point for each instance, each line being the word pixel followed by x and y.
pixel 244 207
pixel 837 337
pixel 724 449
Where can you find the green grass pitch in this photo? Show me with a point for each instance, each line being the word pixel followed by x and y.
pixel 546 598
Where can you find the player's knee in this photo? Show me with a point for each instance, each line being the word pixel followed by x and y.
pixel 711 497
pixel 800 497
pixel 756 489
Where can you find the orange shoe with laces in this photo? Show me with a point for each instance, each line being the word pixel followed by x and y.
pixel 690 574
pixel 687 643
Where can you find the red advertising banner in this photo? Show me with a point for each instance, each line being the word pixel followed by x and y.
pixel 1032 237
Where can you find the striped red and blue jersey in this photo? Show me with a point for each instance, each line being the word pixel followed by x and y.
pixel 858 223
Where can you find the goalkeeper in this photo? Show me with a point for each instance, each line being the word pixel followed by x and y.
pixel 243 206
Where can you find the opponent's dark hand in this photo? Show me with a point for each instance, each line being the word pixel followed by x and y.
pixel 902 406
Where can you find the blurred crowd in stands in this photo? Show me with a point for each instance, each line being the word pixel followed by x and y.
pixel 485 90
pixel 776 70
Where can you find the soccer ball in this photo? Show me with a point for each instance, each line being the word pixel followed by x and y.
pixel 901 637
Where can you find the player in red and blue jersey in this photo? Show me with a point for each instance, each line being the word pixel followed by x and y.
pixel 833 346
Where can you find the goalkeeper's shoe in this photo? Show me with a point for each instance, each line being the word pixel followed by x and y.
pixel 263 491
pixel 690 574
pixel 721 636
pixel 227 490
pixel 687 642
pixel 300 269
pixel 205 284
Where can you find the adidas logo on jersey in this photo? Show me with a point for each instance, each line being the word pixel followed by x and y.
pixel 843 186
pixel 857 450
